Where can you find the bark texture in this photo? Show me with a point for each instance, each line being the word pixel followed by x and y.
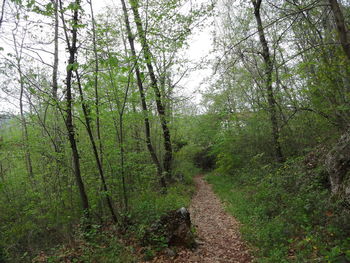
pixel 268 82
pixel 338 160
pixel 72 49
pixel 55 61
pixel 94 149
pixel 25 136
pixel 341 27
pixel 142 97
pixel 168 156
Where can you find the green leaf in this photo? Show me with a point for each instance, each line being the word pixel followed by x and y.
pixel 73 66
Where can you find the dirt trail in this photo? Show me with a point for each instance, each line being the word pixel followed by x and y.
pixel 218 232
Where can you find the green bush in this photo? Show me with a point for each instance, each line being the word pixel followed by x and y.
pixel 286 212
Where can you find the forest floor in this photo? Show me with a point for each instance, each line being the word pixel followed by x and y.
pixel 218 236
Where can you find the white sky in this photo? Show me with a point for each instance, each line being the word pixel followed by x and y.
pixel 200 47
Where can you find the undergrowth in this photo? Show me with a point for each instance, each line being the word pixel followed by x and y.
pixel 287 213
pixel 107 243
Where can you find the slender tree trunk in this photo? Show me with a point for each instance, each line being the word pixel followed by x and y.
pixel 168 156
pixel 72 48
pixel 28 159
pixel 137 134
pixel 57 140
pixel 2 12
pixel 268 82
pixel 25 130
pixel 143 99
pixel 94 148
pixel 97 97
pixel 341 27
pixel 119 128
pixel 122 160
pixel 55 61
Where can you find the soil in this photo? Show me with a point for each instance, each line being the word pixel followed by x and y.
pixel 219 240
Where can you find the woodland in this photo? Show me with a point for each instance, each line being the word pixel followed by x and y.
pixel 99 136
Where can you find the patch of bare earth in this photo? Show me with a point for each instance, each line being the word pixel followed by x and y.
pixel 217 232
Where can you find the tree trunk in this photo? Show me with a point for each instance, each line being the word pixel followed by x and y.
pixel 25 131
pixel 94 148
pixel 97 97
pixel 28 159
pixel 57 142
pixel 55 62
pixel 122 160
pixel 143 99
pixel 268 82
pixel 72 48
pixel 168 156
pixel 2 12
pixel 341 27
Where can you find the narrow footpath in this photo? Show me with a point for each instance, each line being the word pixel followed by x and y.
pixel 217 232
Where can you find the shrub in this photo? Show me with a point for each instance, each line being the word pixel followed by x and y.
pixel 286 212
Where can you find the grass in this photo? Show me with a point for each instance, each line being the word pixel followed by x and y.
pixel 286 213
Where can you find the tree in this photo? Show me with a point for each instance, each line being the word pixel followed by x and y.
pixel 2 12
pixel 268 64
pixel 142 97
pixel 18 47
pixel 168 156
pixel 72 64
pixel 341 27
